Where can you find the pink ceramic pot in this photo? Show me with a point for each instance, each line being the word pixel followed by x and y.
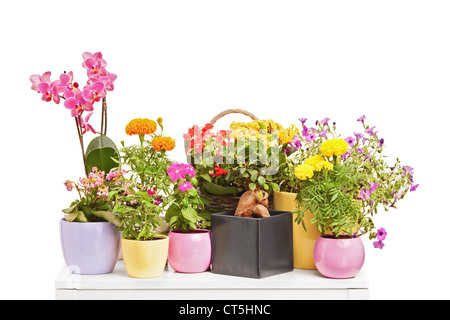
pixel 339 258
pixel 190 252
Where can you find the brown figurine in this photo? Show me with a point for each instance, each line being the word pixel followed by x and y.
pixel 253 204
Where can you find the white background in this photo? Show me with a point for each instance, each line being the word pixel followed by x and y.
pixel 188 60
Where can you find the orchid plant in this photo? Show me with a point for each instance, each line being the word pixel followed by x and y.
pixel 79 101
pixel 343 181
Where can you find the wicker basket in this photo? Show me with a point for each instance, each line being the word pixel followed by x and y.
pixel 229 202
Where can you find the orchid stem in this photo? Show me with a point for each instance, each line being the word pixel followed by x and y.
pixel 80 137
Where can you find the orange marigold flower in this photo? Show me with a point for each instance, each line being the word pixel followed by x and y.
pixel 163 143
pixel 140 126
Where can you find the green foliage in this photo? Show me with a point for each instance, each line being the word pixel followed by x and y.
pixel 138 213
pixel 187 208
pixel 102 153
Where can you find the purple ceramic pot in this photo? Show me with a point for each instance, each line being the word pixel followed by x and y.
pixel 89 247
pixel 339 258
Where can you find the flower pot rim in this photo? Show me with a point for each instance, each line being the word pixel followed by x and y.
pixel 227 213
pixel 177 231
pixel 287 192
pixel 86 222
pixel 160 236
pixel 331 237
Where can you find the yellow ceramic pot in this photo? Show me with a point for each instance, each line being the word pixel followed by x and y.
pixel 145 259
pixel 304 241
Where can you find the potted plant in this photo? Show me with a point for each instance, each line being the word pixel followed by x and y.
pixel 342 182
pixel 251 240
pixel 147 162
pixel 144 248
pixel 190 241
pixel 89 238
pixel 140 204
pixel 88 248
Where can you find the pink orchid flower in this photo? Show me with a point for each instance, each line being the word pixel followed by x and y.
pixel 107 80
pixel 94 93
pixel 66 84
pixel 85 125
pixel 78 104
pixel 49 91
pixel 37 79
pixel 94 63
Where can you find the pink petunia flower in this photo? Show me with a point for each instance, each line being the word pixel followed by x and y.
pixel 185 186
pixel 78 104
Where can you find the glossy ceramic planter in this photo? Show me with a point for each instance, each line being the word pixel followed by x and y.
pixel 145 259
pixel 303 241
pixel 339 258
pixel 190 252
pixel 251 247
pixel 89 247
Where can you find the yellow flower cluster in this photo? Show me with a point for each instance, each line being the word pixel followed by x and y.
pixel 316 163
pixel 262 129
pixel 334 147
pixel 140 126
pixel 304 171
pixel 163 143
pixel 286 135
pixel 319 163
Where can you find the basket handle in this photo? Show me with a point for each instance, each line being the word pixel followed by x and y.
pixel 224 113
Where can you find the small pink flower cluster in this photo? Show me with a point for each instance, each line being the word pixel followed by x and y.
pixel 96 179
pixel 99 82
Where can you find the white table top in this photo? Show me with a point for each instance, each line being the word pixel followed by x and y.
pixel 119 279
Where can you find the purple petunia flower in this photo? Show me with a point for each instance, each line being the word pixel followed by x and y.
pixel 381 142
pixel 362 118
pixel 310 137
pixel 378 244
pixel 414 187
pixel 295 142
pixel 381 234
pixel 302 120
pixel 325 121
pixel 350 140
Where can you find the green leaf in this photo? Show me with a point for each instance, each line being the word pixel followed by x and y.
pixel 100 153
pixel 189 213
pixel 219 190
pixel 206 177
pixel 261 180
pixel 252 186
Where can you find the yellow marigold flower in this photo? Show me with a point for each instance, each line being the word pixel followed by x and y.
pixel 314 160
pixel 334 147
pixel 140 126
pixel 163 143
pixel 159 120
pixel 327 166
pixel 304 171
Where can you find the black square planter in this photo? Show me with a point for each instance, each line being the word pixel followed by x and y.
pixel 251 247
